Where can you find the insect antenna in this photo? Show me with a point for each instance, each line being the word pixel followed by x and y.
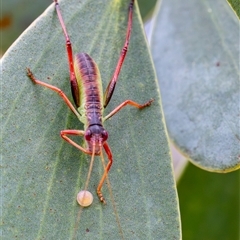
pixel 84 195
pixel 90 168
pixel 111 195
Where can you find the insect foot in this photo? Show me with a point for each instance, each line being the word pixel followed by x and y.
pixel 149 102
pixel 101 198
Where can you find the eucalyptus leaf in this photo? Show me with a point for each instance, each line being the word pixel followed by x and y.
pixel 42 174
pixel 195 46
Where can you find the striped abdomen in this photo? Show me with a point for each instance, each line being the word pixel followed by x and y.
pixel 89 101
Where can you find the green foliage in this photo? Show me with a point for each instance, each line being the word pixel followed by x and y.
pixel 146 7
pixel 42 174
pixel 235 6
pixel 16 16
pixel 209 204
pixel 195 51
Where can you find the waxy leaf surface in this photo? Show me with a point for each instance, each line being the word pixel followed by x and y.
pixel 42 174
pixel 195 47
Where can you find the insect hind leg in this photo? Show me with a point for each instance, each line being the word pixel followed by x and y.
pixel 73 81
pixel 111 86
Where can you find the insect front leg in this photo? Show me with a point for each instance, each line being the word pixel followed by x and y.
pixel 72 132
pixel 106 170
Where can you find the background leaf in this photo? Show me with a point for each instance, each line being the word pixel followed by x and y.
pixel 16 16
pixel 235 6
pixel 42 174
pixel 196 54
pixel 146 7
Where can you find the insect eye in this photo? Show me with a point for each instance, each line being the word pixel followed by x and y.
pixel 104 135
pixel 88 135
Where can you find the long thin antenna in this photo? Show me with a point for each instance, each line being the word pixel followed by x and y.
pixel 111 196
pixel 85 188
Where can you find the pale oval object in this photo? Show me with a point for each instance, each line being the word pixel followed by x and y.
pixel 84 198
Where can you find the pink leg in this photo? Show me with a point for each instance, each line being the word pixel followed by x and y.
pixel 73 81
pixel 110 161
pixel 55 89
pixel 128 102
pixel 111 86
pixel 106 148
pixel 68 42
pixel 69 140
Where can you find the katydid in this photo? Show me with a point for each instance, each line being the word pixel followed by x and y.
pixel 87 94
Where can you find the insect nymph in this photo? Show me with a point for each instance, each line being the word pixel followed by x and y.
pixel 87 93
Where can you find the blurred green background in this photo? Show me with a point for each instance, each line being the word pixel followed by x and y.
pixel 209 204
